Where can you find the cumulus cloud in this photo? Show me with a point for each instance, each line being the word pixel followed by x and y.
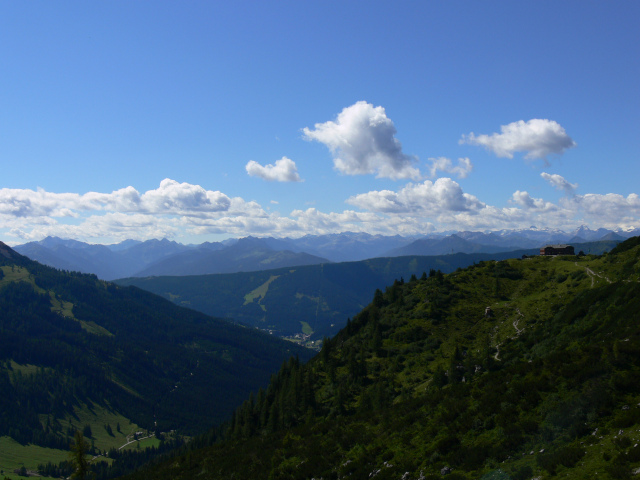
pixel 608 208
pixel 527 201
pixel 426 198
pixel 183 198
pixel 362 141
pixel 184 210
pixel 284 170
pixel 170 197
pixel 538 137
pixel 462 170
pixel 559 183
pixel 30 203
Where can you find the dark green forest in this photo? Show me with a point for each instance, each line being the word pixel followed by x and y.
pixel 506 369
pixel 69 341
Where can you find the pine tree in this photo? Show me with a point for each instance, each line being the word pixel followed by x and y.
pixel 378 298
pixel 79 449
pixel 376 344
pixel 326 350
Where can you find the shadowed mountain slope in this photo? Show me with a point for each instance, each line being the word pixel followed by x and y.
pixel 246 255
pixel 69 340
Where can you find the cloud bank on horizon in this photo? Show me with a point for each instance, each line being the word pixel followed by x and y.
pixel 362 141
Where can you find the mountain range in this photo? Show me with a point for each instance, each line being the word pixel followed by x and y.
pixel 164 257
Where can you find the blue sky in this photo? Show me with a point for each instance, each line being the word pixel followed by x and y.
pixel 201 120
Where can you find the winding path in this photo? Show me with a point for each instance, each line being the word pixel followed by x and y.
pixel 518 332
pixel 593 274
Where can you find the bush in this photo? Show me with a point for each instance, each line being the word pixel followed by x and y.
pixel 567 456
pixel 522 473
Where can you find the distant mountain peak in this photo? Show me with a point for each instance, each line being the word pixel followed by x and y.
pixel 252 241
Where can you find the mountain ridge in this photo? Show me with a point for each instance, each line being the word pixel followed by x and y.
pixel 135 258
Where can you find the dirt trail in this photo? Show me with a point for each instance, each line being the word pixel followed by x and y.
pixel 129 442
pixel 518 332
pixel 516 321
pixel 593 275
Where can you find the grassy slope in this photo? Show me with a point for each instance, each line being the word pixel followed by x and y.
pixel 14 455
pixel 545 386
pixel 64 308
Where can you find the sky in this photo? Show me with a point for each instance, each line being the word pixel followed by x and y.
pixel 200 121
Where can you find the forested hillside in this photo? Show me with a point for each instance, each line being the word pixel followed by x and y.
pixel 511 369
pixel 71 343
pixel 313 301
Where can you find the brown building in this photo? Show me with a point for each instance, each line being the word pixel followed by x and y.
pixel 557 250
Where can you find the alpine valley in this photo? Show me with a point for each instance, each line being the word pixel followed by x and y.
pixel 116 362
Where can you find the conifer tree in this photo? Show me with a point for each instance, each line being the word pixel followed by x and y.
pixel 378 298
pixel 376 344
pixel 79 449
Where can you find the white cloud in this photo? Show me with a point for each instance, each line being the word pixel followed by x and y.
pixel 110 227
pixel 428 198
pixel 183 198
pixel 445 164
pixel 30 203
pixel 283 171
pixel 170 197
pixel 609 208
pixel 313 220
pixel 558 182
pixel 362 141
pixel 538 137
pixel 527 201
pixel 241 225
pixel 184 210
